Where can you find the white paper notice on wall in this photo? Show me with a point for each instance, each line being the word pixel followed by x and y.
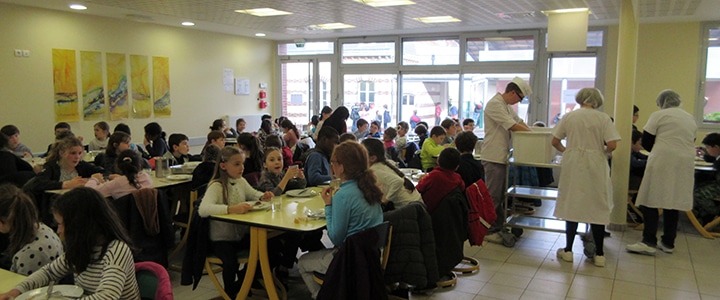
pixel 228 76
pixel 242 86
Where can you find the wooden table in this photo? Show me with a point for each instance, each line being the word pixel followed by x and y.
pixel 8 280
pixel 292 217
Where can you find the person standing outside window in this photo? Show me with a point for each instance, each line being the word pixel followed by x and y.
pixel 500 119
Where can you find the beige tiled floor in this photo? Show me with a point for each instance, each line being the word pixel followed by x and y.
pixel 530 270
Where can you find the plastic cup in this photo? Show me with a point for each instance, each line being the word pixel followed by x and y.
pixel 276 203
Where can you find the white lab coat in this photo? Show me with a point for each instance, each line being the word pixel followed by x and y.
pixel 585 189
pixel 669 175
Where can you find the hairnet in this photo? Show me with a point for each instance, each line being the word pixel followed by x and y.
pixel 668 99
pixel 590 96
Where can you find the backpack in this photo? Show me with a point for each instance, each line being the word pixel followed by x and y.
pixel 482 212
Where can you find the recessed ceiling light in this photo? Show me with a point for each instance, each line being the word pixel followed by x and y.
pixel 187 23
pixel 78 7
pixel 712 39
pixel 438 19
pixel 331 26
pixel 382 3
pixel 260 34
pixel 566 10
pixel 263 12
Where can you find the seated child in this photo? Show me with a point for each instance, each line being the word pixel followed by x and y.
pixel 638 161
pixel 15 146
pixel 389 137
pixel 432 147
pixel 275 141
pixel 102 132
pixel 154 141
pixel 317 160
pixel 204 171
pixel 374 129
pixel 118 142
pixel 401 139
pixel 441 180
pixel 470 169
pixel 129 163
pixel 274 179
pixel 179 149
pixel 229 193
pixel 362 129
pixel 704 205
pixel 421 130
pixel 468 124
pixel 215 137
pixel 450 127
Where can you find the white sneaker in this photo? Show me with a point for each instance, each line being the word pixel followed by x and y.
pixel 565 255
pixel 599 261
pixel 665 248
pixel 495 238
pixel 641 248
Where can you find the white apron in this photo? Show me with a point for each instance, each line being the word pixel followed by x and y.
pixel 669 175
pixel 584 189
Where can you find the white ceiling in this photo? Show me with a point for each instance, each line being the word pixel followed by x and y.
pixel 476 15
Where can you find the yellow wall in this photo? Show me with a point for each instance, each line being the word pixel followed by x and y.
pixel 197 59
pixel 668 58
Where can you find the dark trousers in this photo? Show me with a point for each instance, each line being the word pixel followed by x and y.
pixel 227 252
pixel 598 233
pixel 670 222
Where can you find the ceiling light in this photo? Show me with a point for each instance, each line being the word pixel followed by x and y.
pixel 712 39
pixel 186 23
pixel 78 7
pixel 383 3
pixel 331 26
pixel 438 19
pixel 566 10
pixel 260 34
pixel 263 12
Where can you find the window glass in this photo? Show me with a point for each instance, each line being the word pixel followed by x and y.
pixel 311 48
pixel 368 96
pixel 479 88
pixel 368 53
pixel 430 97
pixel 431 52
pixel 507 48
pixel 567 76
pixel 711 101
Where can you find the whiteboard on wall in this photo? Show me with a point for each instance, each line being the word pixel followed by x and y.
pixel 252 122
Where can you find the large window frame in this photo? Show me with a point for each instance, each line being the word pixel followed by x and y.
pixel 702 75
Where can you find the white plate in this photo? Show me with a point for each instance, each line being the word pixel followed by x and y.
pixel 301 193
pixel 191 164
pixel 179 177
pixel 259 205
pixel 315 214
pixel 703 164
pixel 72 291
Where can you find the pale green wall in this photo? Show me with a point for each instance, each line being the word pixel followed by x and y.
pixel 668 58
pixel 197 59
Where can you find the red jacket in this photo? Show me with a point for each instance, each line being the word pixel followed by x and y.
pixel 437 184
pixel 287 156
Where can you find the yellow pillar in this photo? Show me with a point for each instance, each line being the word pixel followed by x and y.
pixel 624 98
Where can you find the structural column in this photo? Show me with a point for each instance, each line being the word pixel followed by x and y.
pixel 624 99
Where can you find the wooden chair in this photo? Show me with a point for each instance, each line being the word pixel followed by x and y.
pixel 185 225
pixel 384 231
pixel 705 231
pixel 635 209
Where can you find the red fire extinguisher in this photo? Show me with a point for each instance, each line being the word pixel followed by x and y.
pixel 261 98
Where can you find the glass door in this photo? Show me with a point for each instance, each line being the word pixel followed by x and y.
pixel 300 79
pixel 567 76
pixel 369 96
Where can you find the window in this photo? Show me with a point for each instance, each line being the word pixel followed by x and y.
pixel 367 92
pixel 431 52
pixel 408 99
pixel 368 53
pixel 500 48
pixel 312 48
pixel 709 95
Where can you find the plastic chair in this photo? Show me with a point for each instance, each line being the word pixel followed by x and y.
pixel 153 281
pixel 384 231
pixel 253 178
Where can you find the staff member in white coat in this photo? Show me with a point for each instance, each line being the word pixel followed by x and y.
pixel 500 120
pixel 668 180
pixel 585 189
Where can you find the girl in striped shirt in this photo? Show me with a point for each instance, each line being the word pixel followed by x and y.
pixel 97 250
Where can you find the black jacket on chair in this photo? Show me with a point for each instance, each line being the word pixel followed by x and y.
pixel 355 271
pixel 196 250
pixel 450 225
pixel 152 247
pixel 412 257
